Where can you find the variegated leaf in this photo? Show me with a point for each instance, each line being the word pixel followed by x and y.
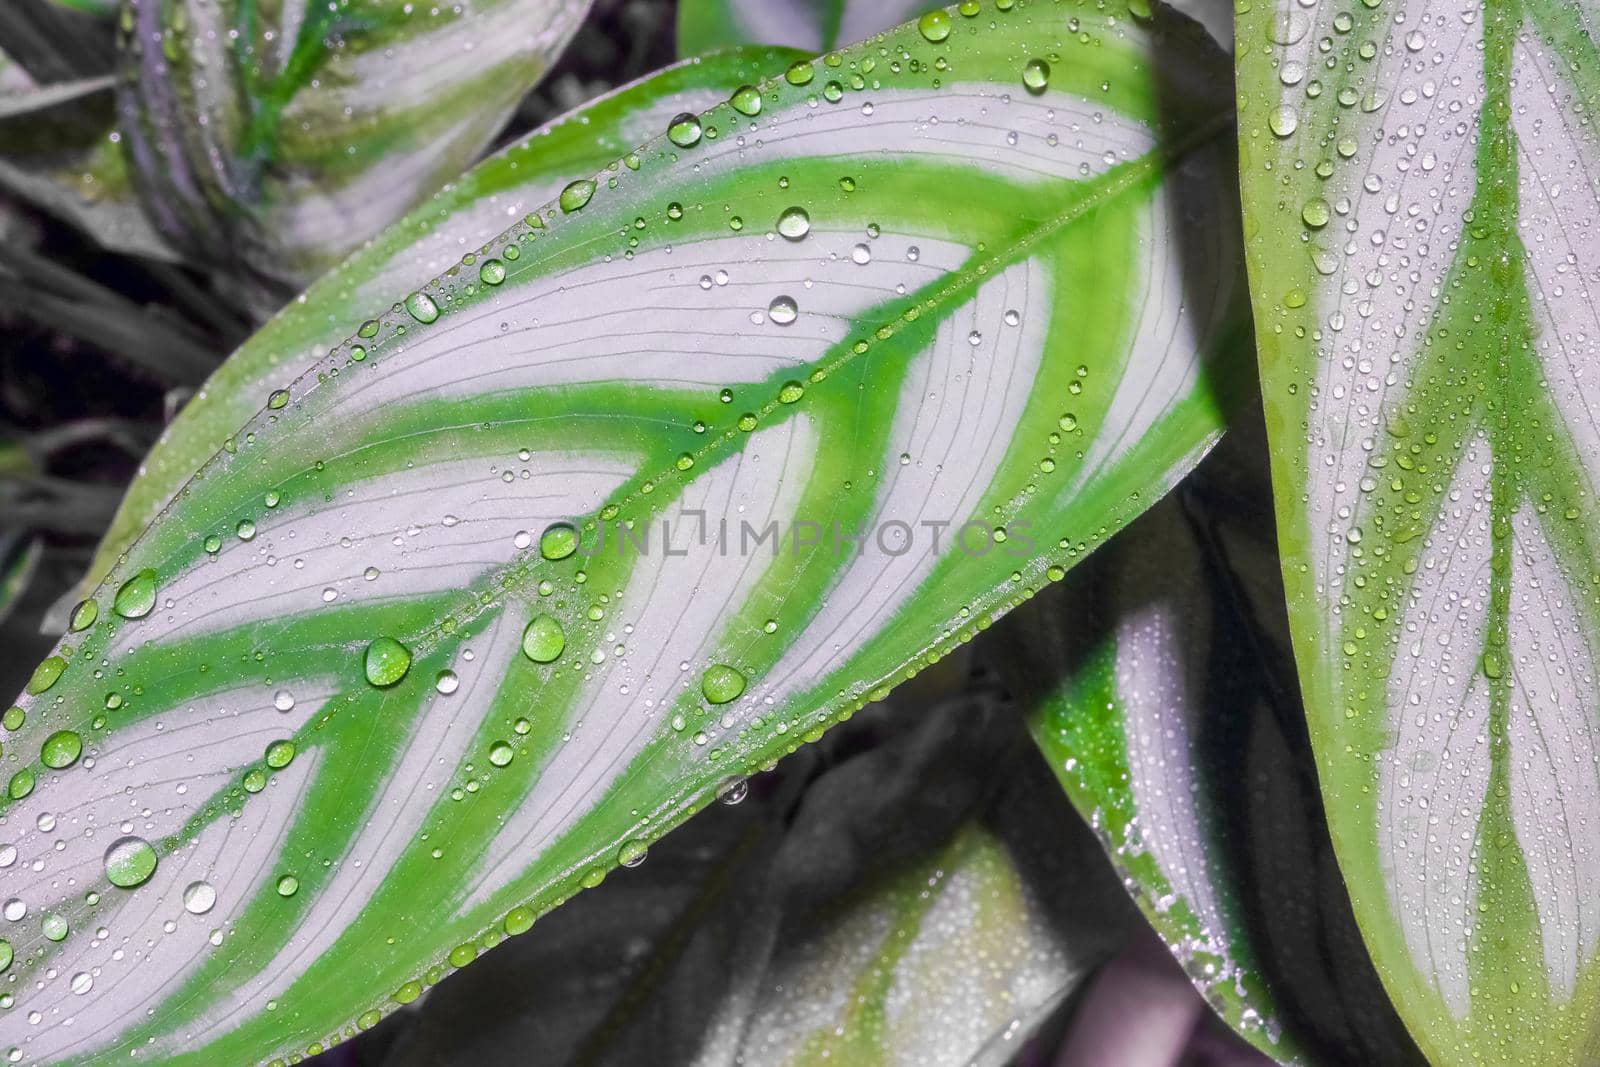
pixel 1420 185
pixel 812 25
pixel 278 139
pixel 453 222
pixel 640 496
pixel 1163 696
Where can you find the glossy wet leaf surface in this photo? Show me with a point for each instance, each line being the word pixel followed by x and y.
pixel 1420 198
pixel 265 704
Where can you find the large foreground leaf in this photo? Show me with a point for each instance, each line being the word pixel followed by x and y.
pixel 356 706
pixel 1163 695
pixel 277 138
pixel 453 222
pixel 1420 185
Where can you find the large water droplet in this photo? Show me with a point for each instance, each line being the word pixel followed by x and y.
pixel 422 307
pixel 934 26
pixel 783 310
pixel 84 615
pixel 1036 76
pixel 130 861
pixel 576 195
pixel 387 661
pixel 721 683
pixel 794 223
pixel 746 100
pixel 558 541
pixel 137 597
pixel 199 898
pixel 46 675
pixel 544 640
pixel 61 749
pixel 684 130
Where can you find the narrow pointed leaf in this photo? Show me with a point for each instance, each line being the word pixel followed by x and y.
pixel 439 636
pixel 279 139
pixel 1423 251
pixel 454 222
pixel 1163 697
pixel 811 25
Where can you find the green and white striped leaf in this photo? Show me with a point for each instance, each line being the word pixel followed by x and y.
pixel 1420 193
pixel 367 711
pixel 811 25
pixel 1162 694
pixel 277 139
pixel 455 221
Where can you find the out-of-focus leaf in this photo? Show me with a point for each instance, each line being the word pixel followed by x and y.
pixel 1164 699
pixel 20 552
pixel 811 25
pixel 932 891
pixel 386 680
pixel 1420 181
pixel 56 41
pixel 276 139
pixel 455 222
pixel 57 153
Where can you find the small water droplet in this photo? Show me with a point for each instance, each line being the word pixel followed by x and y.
pixel 746 100
pixel 1036 76
pixel 934 26
pixel 288 885
pixel 501 753
pixel 493 272
pixel 632 853
pixel 791 392
pixel 558 541
pixel 447 682
pixel 278 399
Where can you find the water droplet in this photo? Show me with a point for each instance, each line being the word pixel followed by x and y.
pixel 1036 76
pixel 934 26
pixel 21 784
pixel 791 392
pixel 794 223
pixel 199 898
pixel 746 100
pixel 632 853
pixel 721 683
pixel 137 597
pixel 783 310
pixel 278 399
pixel 55 927
pixel 558 541
pixel 1284 121
pixel 576 195
pixel 130 861
pixel 684 130
pixel 61 750
pixel 283 700
pixel 422 307
pixel 1315 213
pixel 387 661
pixel 288 885
pixel 501 753
pixel 84 615
pixel 544 640
pixel 246 530
pixel 46 674
pixel 493 272
pixel 861 255
pixel 279 754
pixel 15 910
pixel 447 682
pixel 799 72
